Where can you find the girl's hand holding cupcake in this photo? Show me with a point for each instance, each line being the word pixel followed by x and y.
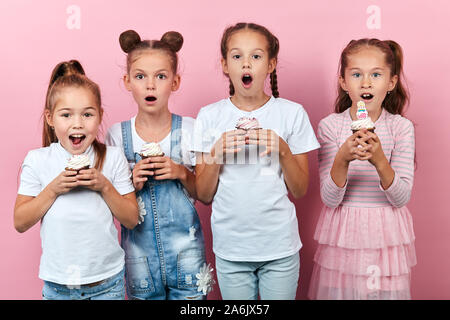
pixel 229 142
pixel 165 169
pixel 63 183
pixel 269 139
pixel 356 147
pixel 92 179
pixel 141 170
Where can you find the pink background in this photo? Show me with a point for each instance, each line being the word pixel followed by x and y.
pixel 312 34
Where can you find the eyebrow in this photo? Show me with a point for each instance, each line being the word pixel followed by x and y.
pixel 252 50
pixel 70 109
pixel 143 71
pixel 376 68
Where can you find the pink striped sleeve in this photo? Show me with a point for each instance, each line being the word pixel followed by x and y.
pixel 402 162
pixel 330 193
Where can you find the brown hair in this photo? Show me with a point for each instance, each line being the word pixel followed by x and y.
pixel 273 49
pixel 71 74
pixel 171 42
pixel 398 98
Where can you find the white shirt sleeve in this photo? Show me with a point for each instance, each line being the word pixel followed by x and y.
pixel 30 184
pixel 122 173
pixel 114 135
pixel 186 141
pixel 205 135
pixel 302 138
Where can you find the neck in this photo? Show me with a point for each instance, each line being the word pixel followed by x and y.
pixel 154 120
pixel 249 103
pixel 153 127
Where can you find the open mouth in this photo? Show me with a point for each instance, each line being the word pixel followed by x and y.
pixel 150 98
pixel 77 138
pixel 366 96
pixel 247 79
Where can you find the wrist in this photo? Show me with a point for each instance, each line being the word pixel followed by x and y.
pixel 106 187
pixel 181 172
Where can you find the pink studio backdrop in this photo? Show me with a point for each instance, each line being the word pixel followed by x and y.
pixel 38 34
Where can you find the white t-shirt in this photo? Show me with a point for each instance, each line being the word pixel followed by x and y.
pixel 79 239
pixel 114 138
pixel 252 216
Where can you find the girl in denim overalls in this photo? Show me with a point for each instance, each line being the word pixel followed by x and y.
pixel 165 255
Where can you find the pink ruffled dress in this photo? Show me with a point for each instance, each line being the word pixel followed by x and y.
pixel 365 234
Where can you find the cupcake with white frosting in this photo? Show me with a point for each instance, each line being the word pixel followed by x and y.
pixel 78 162
pixel 151 149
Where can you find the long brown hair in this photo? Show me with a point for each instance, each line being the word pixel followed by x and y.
pixel 273 49
pixel 398 99
pixel 170 43
pixel 71 74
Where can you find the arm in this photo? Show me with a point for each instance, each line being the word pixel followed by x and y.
pixel 334 162
pixel 124 208
pixel 207 177
pixel 396 175
pixel 28 210
pixel 295 170
pixel 208 165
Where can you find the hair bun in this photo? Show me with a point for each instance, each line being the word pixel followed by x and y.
pixel 66 68
pixel 173 39
pixel 128 40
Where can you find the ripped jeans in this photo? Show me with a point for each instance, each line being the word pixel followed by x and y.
pixel 165 252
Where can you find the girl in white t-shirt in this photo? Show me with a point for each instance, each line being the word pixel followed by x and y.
pixel 246 173
pixel 81 256
pixel 165 255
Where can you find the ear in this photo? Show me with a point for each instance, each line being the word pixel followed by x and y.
pixel 272 65
pixel 392 82
pixel 126 82
pixel 48 117
pixel 176 82
pixel 342 83
pixel 224 65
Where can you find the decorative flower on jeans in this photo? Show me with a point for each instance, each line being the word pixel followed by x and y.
pixel 205 280
pixel 142 211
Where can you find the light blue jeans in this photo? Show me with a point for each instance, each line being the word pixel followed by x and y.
pixel 273 280
pixel 112 288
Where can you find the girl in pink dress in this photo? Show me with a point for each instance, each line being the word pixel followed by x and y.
pixel 365 232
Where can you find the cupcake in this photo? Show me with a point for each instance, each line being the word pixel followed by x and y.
pixel 151 149
pixel 78 162
pixel 246 123
pixel 363 120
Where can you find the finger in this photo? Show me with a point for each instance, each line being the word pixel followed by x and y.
pixel 162 171
pixel 86 182
pixel 157 159
pixel 143 173
pixel 163 177
pixel 70 185
pixel 232 150
pixel 68 173
pixel 159 165
pixel 139 179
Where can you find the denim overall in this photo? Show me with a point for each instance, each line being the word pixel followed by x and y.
pixel 164 252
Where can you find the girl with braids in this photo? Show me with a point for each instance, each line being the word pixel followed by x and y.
pixel 165 255
pixel 246 174
pixel 81 255
pixel 365 232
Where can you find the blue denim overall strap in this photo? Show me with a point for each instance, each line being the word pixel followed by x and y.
pixel 166 250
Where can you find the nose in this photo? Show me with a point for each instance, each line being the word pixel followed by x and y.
pixel 77 122
pixel 246 63
pixel 366 82
pixel 150 84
